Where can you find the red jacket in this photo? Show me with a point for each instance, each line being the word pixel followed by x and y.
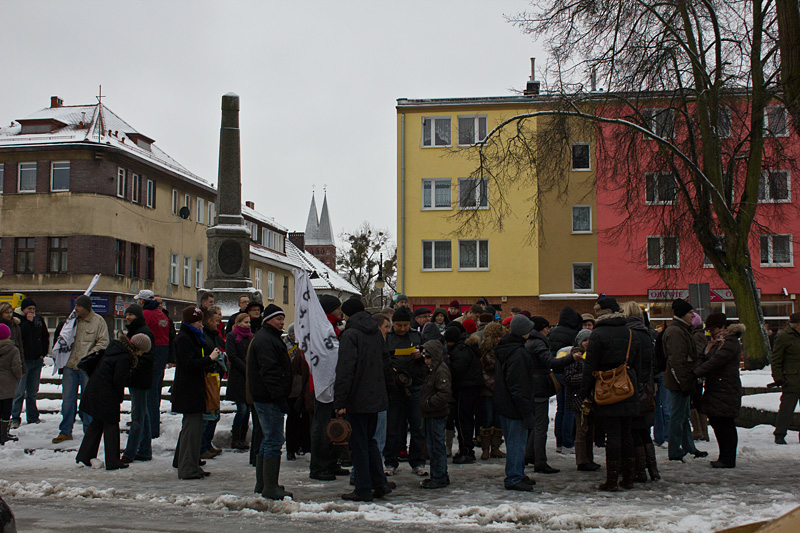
pixel 159 324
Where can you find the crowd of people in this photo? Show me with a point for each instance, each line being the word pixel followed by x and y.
pixel 408 383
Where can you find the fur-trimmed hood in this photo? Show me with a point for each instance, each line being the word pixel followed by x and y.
pixel 737 329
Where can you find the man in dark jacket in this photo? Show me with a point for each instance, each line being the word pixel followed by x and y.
pixel 682 342
pixel 164 334
pixel 35 344
pixel 785 371
pixel 269 378
pixel 435 399
pixel 139 382
pixel 359 394
pixel 467 375
pixel 570 322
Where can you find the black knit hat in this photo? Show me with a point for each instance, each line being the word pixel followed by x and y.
pixel 27 302
pixel 716 320
pixel 540 322
pixel 271 312
pixel 329 303
pixel 401 314
pixel 191 315
pixel 135 309
pixel 84 301
pixel 352 306
pixel 681 307
pixel 254 305
pixel 608 302
pixel 452 334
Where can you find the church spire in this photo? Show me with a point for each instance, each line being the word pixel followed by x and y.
pixel 312 224
pixel 325 227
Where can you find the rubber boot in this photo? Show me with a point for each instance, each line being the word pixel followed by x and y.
pixel 639 460
pixel 271 470
pixel 259 474
pixel 6 431
pixel 628 473
pixel 612 475
pixel 486 443
pixel 449 435
pixel 650 461
pixel 497 440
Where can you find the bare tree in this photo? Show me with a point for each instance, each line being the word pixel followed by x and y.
pixel 359 260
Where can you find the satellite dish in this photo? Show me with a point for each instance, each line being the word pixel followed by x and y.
pixel 184 212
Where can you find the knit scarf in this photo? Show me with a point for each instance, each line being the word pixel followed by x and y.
pixel 242 333
pixel 198 332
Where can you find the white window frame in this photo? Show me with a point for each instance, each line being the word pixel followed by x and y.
pixel 661 252
pixel 767 131
pixel 150 191
pixel 122 182
pixel 434 243
pixel 198 273
pixel 591 277
pixel 270 285
pixel 763 180
pixel 582 232
pixel 656 128
pixel 476 192
pixel 434 120
pixel 135 188
pixel 433 182
pixel 201 210
pixel 477 243
pixel 173 269
pixel 52 174
pixel 212 213
pixel 253 227
pixel 572 157
pixel 187 271
pixel 476 121
pixel 176 206
pixel 19 177
pixel 770 251
pixel 656 199
pixel 258 278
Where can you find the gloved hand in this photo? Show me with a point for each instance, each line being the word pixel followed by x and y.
pixel 529 421
pixel 696 320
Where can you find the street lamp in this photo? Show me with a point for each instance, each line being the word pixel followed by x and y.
pixel 380 283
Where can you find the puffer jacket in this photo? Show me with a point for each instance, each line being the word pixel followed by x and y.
pixel 465 363
pixel 786 359
pixel 542 362
pixel 722 393
pixel 682 344
pixel 437 391
pixel 10 369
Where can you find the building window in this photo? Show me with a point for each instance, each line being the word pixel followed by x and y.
pixel 187 203
pixel 198 273
pixel 724 123
pixel 582 277
pixel 473 193
pixel 774 186
pixel 187 274
pixel 662 252
pixel 119 264
pixel 775 121
pixel 471 129
pixel 135 260
pixel 175 202
pixel 257 282
pixel 436 255
pixel 720 245
pixel 266 238
pixel 436 131
pixel 661 188
pixel 581 160
pixel 23 260
pixel 286 289
pixel 27 177
pixel 150 263
pixel 135 190
pixel 122 185
pixel 280 243
pixel 776 250
pixel 212 213
pixel 151 194
pixel 436 194
pixel 581 219
pixel 270 285
pixel 253 230
pixel 173 269
pixel 201 210
pixel 660 121
pixel 473 254
pixel 59 176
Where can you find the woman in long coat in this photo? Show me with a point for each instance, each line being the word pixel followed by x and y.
pixel 236 349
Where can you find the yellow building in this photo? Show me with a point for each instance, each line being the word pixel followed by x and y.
pixel 449 247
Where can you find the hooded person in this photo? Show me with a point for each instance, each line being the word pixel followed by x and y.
pixel 467 375
pixel 435 399
pixel 434 329
pixel 570 322
pixel 139 383
pixel 584 419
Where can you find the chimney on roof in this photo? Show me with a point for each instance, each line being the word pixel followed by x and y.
pixel 298 238
pixel 532 88
pixel 251 205
pixel 55 101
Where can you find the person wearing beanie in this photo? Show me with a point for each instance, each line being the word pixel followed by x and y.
pixel 507 320
pixel 404 408
pixel 469 326
pixel 35 346
pixel 467 375
pixel 91 335
pixel 352 306
pixel 682 341
pixel 329 303
pixel 563 336
pixel 189 391
pixel 453 310
pixel 402 301
pixel 584 422
pixel 541 324
pixel 435 397
pixel 164 342
pixel 785 359
pixel 254 310
pixel 10 376
pixel 525 313
pixel 139 383
pixel 103 396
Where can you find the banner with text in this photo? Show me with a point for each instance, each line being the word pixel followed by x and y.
pixel 62 348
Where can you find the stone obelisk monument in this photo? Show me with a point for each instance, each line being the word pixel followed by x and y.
pixel 229 240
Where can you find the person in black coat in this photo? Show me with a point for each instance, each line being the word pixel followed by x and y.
pixel 611 344
pixel 35 345
pixel 212 318
pixel 269 380
pixel 189 392
pixel 236 345
pixel 103 396
pixel 467 381
pixel 570 322
pixel 722 394
pixel 139 383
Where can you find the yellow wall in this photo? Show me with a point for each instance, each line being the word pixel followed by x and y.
pixel 288 308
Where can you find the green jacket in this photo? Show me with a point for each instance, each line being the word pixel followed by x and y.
pixel 786 359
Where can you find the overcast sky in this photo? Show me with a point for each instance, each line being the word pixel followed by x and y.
pixel 318 82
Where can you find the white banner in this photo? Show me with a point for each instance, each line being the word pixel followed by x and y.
pixel 62 348
pixel 315 336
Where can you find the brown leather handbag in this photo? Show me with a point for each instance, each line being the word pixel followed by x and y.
pixel 614 386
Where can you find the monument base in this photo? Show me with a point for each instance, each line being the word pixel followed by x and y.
pixel 228 298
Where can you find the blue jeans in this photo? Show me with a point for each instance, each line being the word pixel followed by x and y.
pixel 434 437
pixel 661 414
pixel 27 389
pixel 70 382
pixel 270 417
pixel 489 415
pixel 565 419
pixel 209 428
pixel 516 437
pixel 242 415
pixel 139 437
pixel 160 357
pixel 680 427
pixel 367 463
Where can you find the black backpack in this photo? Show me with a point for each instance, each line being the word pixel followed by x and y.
pixel 659 357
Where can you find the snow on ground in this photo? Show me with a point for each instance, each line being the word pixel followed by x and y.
pixel 692 497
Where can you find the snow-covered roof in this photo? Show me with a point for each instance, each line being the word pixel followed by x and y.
pixel 252 213
pixel 91 124
pixel 326 278
pixel 272 257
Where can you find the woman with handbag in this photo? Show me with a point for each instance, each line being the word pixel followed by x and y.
pixel 613 362
pixel 212 318
pixel 643 448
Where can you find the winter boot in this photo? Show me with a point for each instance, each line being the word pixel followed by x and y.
pixel 612 475
pixel 259 474
pixel 271 468
pixel 639 461
pixel 4 427
pixel 628 473
pixel 650 461
pixel 449 435
pixel 497 440
pixel 486 443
